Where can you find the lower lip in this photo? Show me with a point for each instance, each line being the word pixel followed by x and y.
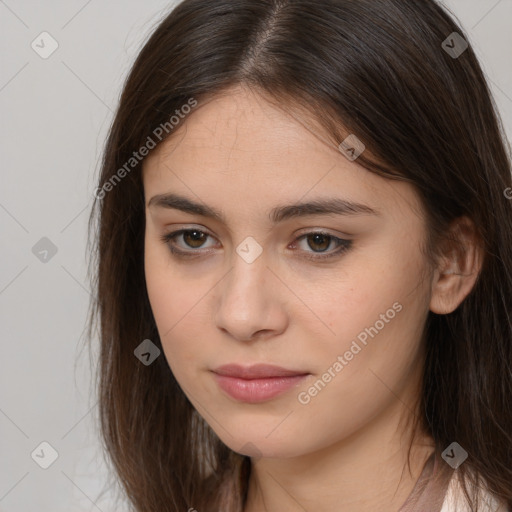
pixel 257 390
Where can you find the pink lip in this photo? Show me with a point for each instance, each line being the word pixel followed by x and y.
pixel 256 383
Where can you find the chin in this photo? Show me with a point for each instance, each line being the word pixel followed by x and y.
pixel 257 443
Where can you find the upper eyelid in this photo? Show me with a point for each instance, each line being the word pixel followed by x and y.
pixel 303 231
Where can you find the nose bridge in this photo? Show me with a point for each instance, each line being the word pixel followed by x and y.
pixel 247 282
pixel 247 300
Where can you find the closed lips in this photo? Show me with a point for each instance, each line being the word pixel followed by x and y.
pixel 259 371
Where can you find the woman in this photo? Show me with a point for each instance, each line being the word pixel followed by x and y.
pixel 303 256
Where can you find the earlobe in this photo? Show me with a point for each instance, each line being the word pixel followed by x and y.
pixel 458 269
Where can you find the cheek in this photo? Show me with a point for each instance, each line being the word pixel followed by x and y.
pixel 173 301
pixel 169 293
pixel 161 296
pixel 371 373
pixel 174 321
pixel 377 313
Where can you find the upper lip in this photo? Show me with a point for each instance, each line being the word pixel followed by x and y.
pixel 257 371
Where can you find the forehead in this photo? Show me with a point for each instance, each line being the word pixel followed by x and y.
pixel 239 148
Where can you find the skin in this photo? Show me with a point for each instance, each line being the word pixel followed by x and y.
pixel 346 448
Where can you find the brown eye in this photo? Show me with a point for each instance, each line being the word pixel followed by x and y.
pixel 184 241
pixel 194 238
pixel 319 240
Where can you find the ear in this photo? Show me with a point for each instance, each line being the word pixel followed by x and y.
pixel 458 268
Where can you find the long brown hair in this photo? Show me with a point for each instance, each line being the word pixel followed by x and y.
pixel 374 68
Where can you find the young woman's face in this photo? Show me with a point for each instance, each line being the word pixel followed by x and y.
pixel 337 298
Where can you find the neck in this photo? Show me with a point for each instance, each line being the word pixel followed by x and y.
pixel 365 472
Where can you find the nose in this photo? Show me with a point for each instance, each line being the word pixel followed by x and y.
pixel 249 303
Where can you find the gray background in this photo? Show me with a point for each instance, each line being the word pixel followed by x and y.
pixel 55 113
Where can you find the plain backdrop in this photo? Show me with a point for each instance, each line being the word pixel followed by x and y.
pixel 55 113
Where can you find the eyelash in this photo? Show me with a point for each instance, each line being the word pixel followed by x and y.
pixel 343 245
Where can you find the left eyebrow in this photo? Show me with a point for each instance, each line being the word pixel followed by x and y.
pixel 321 206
